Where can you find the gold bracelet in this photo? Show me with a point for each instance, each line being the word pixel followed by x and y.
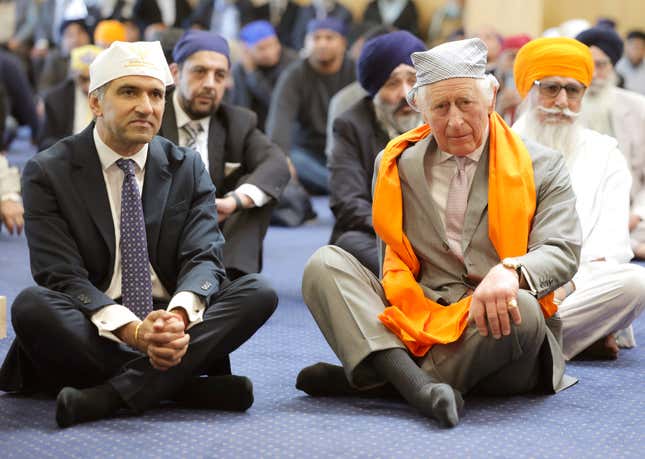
pixel 136 333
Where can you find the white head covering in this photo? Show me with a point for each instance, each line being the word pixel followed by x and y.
pixel 454 59
pixel 121 59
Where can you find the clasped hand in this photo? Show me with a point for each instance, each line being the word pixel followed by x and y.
pixel 161 336
pixel 489 308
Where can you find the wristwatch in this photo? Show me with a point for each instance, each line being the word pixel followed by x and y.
pixel 514 264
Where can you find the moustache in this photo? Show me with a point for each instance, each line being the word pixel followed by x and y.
pixel 559 111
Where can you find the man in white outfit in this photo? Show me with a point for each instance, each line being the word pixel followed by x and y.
pixel 619 113
pixel 607 294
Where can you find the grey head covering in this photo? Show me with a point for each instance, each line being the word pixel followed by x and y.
pixel 454 59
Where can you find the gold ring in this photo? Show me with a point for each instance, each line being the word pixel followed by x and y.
pixel 512 304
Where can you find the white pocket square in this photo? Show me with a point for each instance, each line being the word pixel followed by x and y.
pixel 229 168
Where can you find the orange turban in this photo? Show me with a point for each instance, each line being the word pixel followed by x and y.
pixel 553 56
pixel 109 31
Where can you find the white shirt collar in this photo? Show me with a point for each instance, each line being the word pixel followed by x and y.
pixel 182 118
pixel 108 157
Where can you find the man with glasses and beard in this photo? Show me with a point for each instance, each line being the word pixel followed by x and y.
pixel 385 71
pixel 607 293
pixel 249 172
pixel 621 114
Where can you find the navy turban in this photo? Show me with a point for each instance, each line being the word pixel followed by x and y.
pixel 256 31
pixel 328 23
pixel 604 38
pixel 199 40
pixel 382 54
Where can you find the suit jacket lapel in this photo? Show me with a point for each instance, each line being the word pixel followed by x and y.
pixel 216 149
pixel 156 186
pixel 477 200
pixel 423 148
pixel 90 185
pixel 169 121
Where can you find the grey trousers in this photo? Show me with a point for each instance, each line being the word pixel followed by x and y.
pixel 345 299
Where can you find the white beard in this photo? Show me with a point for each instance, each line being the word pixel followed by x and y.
pixel 392 123
pixel 561 136
pixel 596 108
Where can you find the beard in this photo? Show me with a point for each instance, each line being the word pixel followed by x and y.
pixel 596 107
pixel 392 119
pixel 559 129
pixel 197 110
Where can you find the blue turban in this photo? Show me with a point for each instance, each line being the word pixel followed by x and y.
pixel 199 40
pixel 256 31
pixel 604 38
pixel 382 54
pixel 328 23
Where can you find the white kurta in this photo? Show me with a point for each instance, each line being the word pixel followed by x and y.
pixel 609 294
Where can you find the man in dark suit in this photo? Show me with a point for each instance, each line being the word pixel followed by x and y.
pixel 402 14
pixel 67 110
pixel 132 303
pixel 385 71
pixel 172 14
pixel 249 172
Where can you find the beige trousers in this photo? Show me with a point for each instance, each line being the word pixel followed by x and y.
pixel 608 298
pixel 345 299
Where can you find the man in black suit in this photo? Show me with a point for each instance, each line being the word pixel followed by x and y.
pixel 132 303
pixel 67 110
pixel 385 71
pixel 249 172
pixel 171 14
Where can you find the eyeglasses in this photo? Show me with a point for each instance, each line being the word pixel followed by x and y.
pixel 552 89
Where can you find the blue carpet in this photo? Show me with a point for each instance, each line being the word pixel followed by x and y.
pixel 602 416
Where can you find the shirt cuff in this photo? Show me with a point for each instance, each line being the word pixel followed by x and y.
pixel 258 196
pixel 109 318
pixel 15 197
pixel 191 303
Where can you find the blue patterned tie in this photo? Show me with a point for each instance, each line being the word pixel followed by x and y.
pixel 136 286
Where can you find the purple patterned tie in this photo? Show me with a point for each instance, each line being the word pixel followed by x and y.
pixel 456 207
pixel 136 286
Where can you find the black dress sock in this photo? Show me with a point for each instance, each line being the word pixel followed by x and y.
pixel 74 406
pixel 432 399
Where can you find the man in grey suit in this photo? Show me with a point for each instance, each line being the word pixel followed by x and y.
pixel 493 326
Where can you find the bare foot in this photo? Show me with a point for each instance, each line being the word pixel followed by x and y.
pixel 603 349
pixel 639 252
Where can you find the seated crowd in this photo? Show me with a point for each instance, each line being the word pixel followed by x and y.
pixel 488 195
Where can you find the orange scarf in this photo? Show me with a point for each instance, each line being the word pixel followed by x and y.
pixel 418 321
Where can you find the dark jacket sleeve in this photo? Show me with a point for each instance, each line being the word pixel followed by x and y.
pixel 200 247
pixel 350 183
pixel 264 161
pixel 18 91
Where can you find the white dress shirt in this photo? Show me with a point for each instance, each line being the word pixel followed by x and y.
pixel 109 318
pixel 256 195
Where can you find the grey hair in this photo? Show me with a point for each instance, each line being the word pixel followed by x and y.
pixel 487 87
pixel 99 92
